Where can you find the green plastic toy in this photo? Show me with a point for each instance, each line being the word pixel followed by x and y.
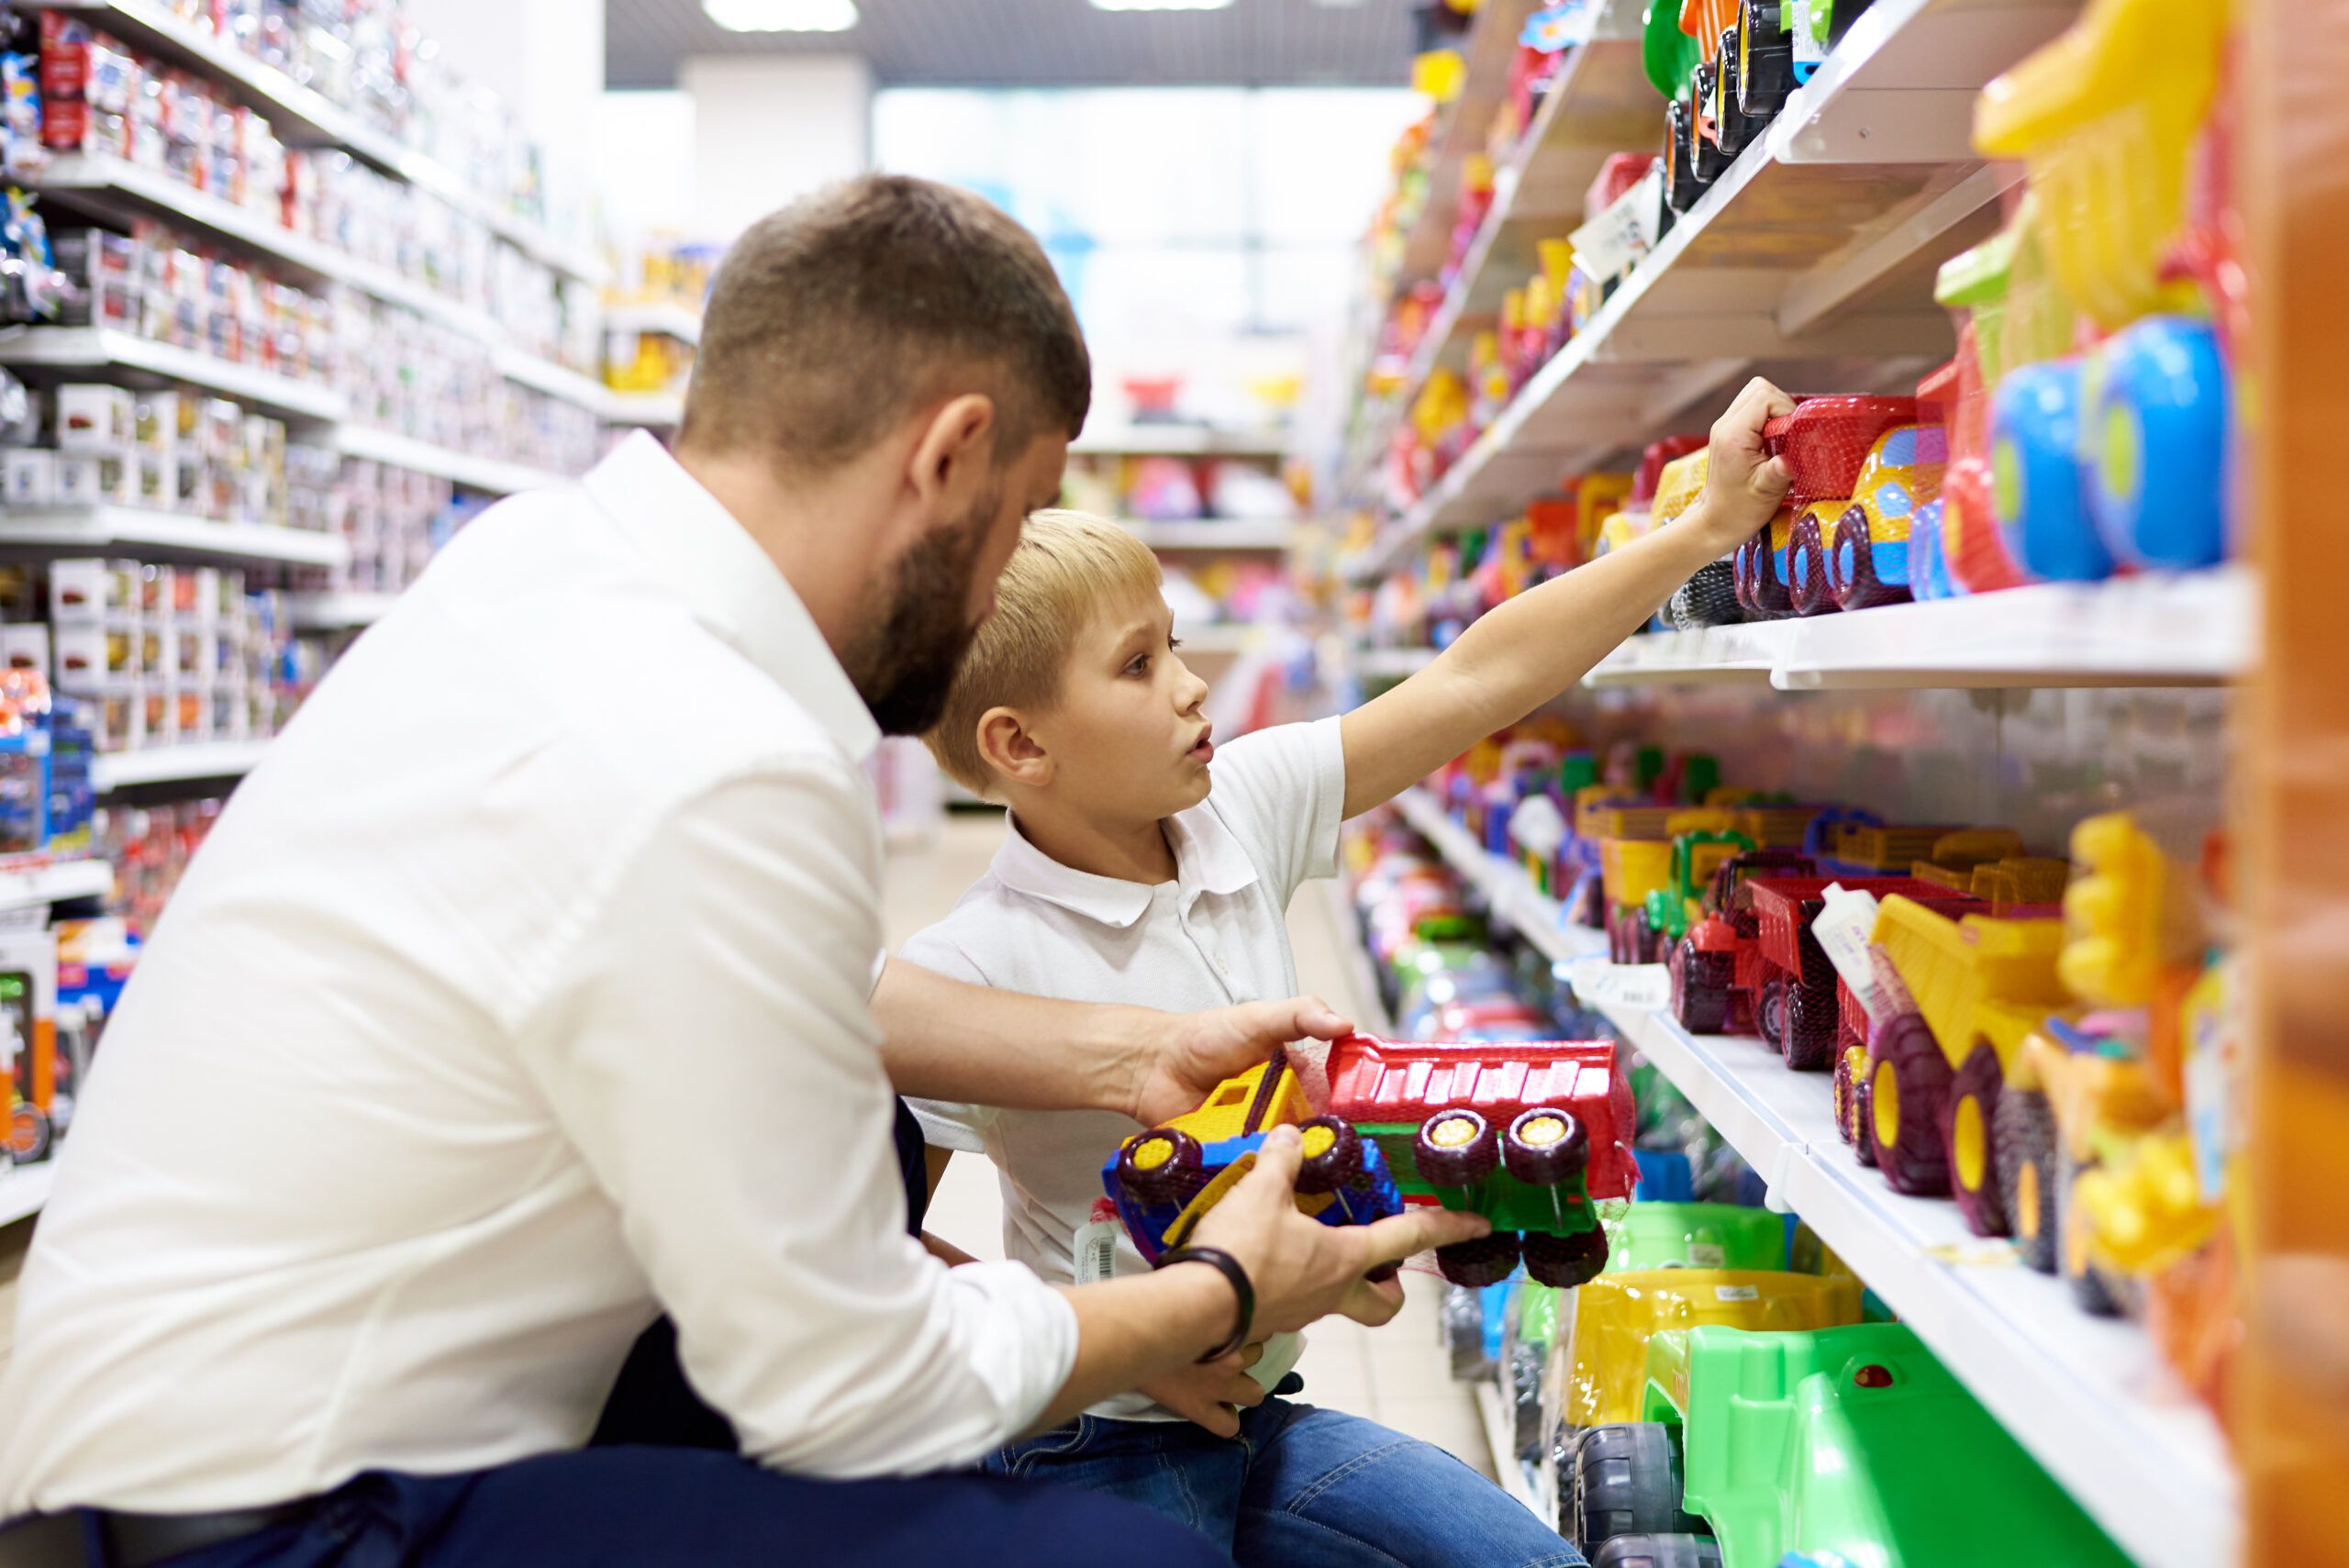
pixel 1853 1441
pixel 1693 1236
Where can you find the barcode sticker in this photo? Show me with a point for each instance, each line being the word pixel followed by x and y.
pixel 1096 1246
pixel 1708 1255
pixel 1846 921
pixel 1736 1293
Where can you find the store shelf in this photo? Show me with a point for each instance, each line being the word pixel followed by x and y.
pixel 103 347
pixel 1508 892
pixel 2196 629
pixel 670 319
pixel 654 410
pixel 1212 535
pixel 337 611
pixel 494 476
pixel 554 380
pixel 1221 639
pixel 55 882
pixel 1810 261
pixel 1369 1010
pixel 1178 440
pixel 173 764
pixel 1490 46
pixel 302 117
pixel 97 529
pixel 1390 664
pixel 2087 1396
pixel 23 1190
pixel 1500 1436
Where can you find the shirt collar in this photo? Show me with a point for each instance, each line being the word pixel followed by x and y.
pixel 1207 858
pixel 699 550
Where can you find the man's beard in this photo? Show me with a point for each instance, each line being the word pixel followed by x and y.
pixel 914 630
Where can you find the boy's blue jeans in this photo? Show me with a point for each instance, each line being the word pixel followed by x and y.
pixel 1299 1487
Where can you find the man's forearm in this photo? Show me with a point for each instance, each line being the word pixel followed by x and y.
pixel 945 1040
pixel 1132 1330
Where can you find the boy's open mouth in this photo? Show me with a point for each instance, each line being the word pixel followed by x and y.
pixel 1203 749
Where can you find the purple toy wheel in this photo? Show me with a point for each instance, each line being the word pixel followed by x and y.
pixel 1160 1166
pixel 1808 1040
pixel 1968 1123
pixel 1770 1010
pixel 1700 985
pixel 1564 1262
pixel 1852 566
pixel 1455 1149
pixel 1488 1260
pixel 1907 1082
pixel 1849 1064
pixel 1807 588
pixel 1545 1146
pixel 1332 1155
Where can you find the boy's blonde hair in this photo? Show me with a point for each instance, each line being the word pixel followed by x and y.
pixel 1066 564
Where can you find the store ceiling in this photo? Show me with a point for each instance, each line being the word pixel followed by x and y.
pixel 1047 43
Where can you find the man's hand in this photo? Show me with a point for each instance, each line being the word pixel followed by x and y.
pixel 1194 1052
pixel 1302 1269
pixel 1207 1394
pixel 1743 485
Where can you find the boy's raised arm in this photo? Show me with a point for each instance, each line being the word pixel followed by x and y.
pixel 1527 651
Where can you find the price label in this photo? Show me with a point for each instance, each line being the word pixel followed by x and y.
pixel 1612 243
pixel 1737 1293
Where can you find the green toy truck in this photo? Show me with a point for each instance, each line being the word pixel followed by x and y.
pixel 1853 1441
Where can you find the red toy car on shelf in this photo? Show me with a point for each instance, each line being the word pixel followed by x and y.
pixel 1825 442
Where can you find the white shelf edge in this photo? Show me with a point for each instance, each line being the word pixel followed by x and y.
pixel 95 347
pixel 318 116
pixel 53 883
pixel 24 1189
pixel 649 409
pixel 1178 440
pixel 1220 638
pixel 2085 1395
pixel 562 382
pixel 101 527
pixel 488 473
pixel 1500 1436
pixel 171 764
pixel 337 611
pixel 1210 535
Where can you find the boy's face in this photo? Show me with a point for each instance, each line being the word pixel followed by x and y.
pixel 1126 738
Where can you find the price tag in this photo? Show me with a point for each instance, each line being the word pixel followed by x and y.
pixel 1846 921
pixel 1096 1243
pixel 1736 1293
pixel 1612 243
pixel 1708 1255
pixel 1647 987
pixel 1590 979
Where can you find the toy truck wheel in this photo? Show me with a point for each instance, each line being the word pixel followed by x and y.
pixel 1659 1551
pixel 1456 1149
pixel 1706 156
pixel 1765 595
pixel 1765 65
pixel 1850 1063
pixel 1160 1166
pixel 1332 1155
pixel 1969 1141
pixel 1736 127
pixel 1852 566
pixel 2090 1291
pixel 1770 1010
pixel 1488 1260
pixel 1808 1043
pixel 1863 1110
pixel 29 1133
pixel 1564 1262
pixel 1806 585
pixel 2024 1130
pixel 1907 1084
pixel 1700 986
pixel 1707 598
pixel 1545 1146
pixel 1627 1481
pixel 1681 184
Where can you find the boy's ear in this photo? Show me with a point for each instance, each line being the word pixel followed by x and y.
pixel 1011 749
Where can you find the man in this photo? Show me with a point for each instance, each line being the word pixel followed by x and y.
pixel 522 993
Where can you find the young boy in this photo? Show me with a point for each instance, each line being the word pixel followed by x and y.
pixel 1123 879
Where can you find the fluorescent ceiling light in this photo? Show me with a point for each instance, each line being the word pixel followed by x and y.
pixel 782 15
pixel 1160 5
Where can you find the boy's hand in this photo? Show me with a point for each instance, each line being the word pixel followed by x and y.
pixel 1195 1052
pixel 1303 1270
pixel 1206 1393
pixel 1743 485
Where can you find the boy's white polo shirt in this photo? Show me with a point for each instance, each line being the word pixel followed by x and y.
pixel 1217 935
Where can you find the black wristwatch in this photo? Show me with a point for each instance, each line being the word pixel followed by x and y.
pixel 1230 1268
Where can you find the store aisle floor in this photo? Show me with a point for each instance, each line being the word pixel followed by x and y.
pixel 1395 1374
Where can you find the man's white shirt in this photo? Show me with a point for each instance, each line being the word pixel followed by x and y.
pixel 521 993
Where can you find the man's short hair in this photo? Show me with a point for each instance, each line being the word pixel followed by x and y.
pixel 1067 564
pixel 832 320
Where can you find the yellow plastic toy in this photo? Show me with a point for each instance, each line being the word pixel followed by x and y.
pixel 1598 496
pixel 2103 119
pixel 1678 487
pixel 2131 917
pixel 1981 985
pixel 1605 1365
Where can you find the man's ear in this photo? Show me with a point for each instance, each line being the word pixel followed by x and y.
pixel 1009 747
pixel 954 447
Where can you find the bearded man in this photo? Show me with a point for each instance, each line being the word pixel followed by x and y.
pixel 531 990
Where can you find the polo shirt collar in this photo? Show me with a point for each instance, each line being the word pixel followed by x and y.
pixel 1207 858
pixel 698 550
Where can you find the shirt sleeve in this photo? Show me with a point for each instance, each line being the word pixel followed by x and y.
pixel 1282 792
pixel 708 1046
pixel 944 1123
